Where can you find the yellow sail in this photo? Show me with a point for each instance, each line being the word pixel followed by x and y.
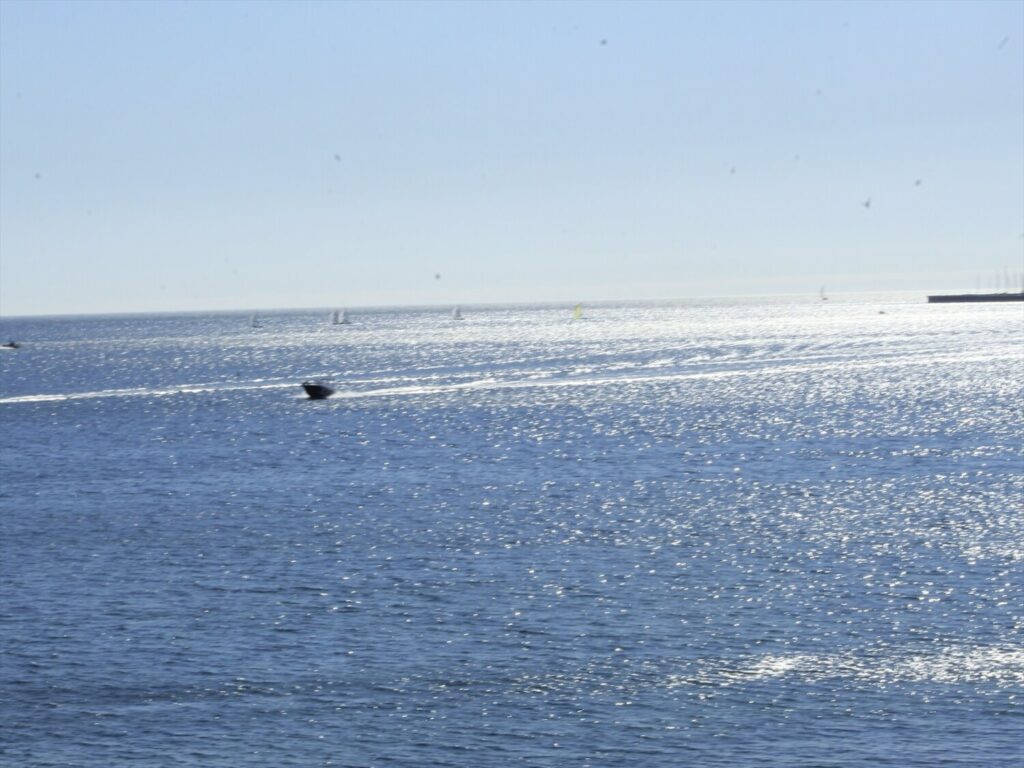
pixel 577 313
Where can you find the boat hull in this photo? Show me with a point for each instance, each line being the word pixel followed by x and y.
pixel 317 390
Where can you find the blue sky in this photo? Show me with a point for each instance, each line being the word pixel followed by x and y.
pixel 218 155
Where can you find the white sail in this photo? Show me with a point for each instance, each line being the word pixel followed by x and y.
pixel 456 314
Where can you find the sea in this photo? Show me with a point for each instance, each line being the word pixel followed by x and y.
pixel 733 532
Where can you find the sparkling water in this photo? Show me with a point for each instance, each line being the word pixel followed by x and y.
pixel 764 532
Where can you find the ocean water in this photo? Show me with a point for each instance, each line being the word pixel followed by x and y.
pixel 724 533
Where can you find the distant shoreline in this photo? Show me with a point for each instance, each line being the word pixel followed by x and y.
pixel 961 298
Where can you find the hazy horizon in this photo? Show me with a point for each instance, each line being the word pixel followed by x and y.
pixel 592 303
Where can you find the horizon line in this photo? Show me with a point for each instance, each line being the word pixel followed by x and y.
pixel 569 303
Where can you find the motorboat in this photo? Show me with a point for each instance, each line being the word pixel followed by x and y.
pixel 317 390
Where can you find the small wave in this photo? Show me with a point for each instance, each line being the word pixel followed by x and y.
pixel 998 665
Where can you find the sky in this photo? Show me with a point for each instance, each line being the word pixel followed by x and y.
pixel 182 156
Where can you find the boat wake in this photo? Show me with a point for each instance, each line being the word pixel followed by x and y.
pixel 581 377
pixel 184 389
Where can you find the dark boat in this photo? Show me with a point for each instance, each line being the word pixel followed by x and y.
pixel 11 345
pixel 317 390
pixel 957 298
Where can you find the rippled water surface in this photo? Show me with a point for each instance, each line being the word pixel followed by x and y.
pixel 772 533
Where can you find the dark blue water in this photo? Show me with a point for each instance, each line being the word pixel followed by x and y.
pixel 719 534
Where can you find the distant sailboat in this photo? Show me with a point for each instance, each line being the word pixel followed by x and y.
pixel 577 313
pixel 456 314
pixel 340 317
pixel 822 293
pixel 254 321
